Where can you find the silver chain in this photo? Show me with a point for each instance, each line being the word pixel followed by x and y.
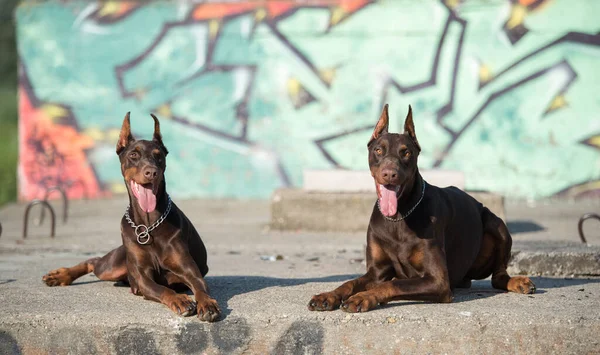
pixel 142 231
pixel 407 213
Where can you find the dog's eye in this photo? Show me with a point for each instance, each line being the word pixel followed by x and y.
pixel 378 151
pixel 134 155
pixel 406 153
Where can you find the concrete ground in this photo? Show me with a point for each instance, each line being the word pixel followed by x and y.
pixel 264 302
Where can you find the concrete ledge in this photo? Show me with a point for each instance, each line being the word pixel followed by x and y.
pixel 295 209
pixel 336 180
pixel 264 302
pixel 471 333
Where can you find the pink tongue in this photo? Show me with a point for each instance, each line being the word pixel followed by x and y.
pixel 388 202
pixel 146 198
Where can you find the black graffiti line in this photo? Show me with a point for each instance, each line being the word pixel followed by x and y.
pixel 320 143
pixel 406 89
pixel 283 175
pixel 211 131
pixel 491 99
pixel 571 37
pixel 443 111
pixel 432 81
pixel 566 86
pixel 122 68
pixel 588 141
pixel 297 53
pixel 434 68
pixel 271 23
pixel 241 107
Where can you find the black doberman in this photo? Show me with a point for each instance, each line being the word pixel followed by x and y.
pixel 161 249
pixel 422 240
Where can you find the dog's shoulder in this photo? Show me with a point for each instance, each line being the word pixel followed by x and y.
pixel 455 197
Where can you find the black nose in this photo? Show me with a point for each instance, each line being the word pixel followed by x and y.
pixel 389 175
pixel 150 173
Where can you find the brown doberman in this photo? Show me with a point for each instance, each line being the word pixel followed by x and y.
pixel 422 241
pixel 161 249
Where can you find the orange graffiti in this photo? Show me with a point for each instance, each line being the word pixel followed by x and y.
pixel 273 9
pixel 52 154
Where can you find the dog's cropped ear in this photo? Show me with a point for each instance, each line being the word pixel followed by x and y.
pixel 382 125
pixel 409 128
pixel 125 137
pixel 157 137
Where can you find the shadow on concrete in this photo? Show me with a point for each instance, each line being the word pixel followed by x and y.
pixel 223 288
pixel 8 344
pixel 483 289
pixel 524 226
pixel 6 281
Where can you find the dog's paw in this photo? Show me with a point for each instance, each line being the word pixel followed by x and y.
pixel 58 277
pixel 208 310
pixel 181 304
pixel 521 284
pixel 327 301
pixel 360 302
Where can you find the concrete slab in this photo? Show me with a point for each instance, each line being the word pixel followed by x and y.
pixel 337 180
pixel 264 302
pixel 297 209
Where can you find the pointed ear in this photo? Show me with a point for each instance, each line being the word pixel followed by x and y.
pixel 382 124
pixel 409 127
pixel 157 137
pixel 125 137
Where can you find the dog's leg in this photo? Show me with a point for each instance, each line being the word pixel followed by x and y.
pixel 185 268
pixel 379 269
pixel 496 228
pixel 428 288
pixel 144 284
pixel 330 301
pixel 111 267
pixel 433 286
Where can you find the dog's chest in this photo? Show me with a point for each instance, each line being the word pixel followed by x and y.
pixel 406 255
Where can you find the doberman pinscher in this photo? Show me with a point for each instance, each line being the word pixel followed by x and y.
pixel 161 249
pixel 422 240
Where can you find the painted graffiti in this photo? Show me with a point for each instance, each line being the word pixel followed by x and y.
pixel 250 93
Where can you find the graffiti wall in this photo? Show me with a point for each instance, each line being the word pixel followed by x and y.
pixel 250 93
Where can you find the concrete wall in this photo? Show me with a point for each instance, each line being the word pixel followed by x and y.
pixel 250 93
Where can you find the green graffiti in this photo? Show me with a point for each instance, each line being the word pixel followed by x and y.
pixel 505 91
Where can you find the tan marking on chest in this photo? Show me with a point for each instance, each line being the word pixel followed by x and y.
pixel 416 258
pixel 377 252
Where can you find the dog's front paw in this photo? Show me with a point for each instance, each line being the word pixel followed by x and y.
pixel 58 277
pixel 361 302
pixel 208 309
pixel 327 301
pixel 521 284
pixel 181 304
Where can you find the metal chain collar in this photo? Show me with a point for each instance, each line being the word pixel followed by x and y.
pixel 409 211
pixel 142 231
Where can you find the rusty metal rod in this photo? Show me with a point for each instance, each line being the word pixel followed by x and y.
pixel 45 205
pixel 65 200
pixel 580 224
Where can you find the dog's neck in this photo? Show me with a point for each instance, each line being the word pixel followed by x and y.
pixel 412 195
pixel 138 216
